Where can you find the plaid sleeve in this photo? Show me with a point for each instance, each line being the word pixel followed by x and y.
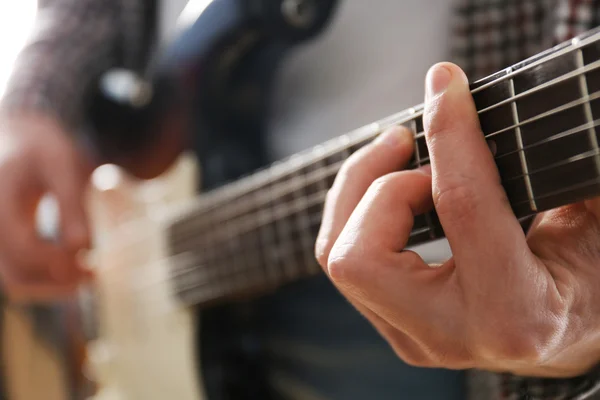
pixel 72 43
pixel 577 388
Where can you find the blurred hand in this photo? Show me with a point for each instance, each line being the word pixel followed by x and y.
pixel 506 301
pixel 38 157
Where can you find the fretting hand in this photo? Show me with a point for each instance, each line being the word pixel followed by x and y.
pixel 506 301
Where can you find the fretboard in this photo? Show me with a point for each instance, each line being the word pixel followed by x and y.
pixel 258 233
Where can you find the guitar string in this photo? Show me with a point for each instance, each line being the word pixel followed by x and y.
pixel 250 224
pixel 512 73
pixel 544 60
pixel 375 130
pixel 570 160
pixel 232 211
pixel 406 116
pixel 284 210
pixel 216 290
pixel 321 196
pixel 229 272
pixel 219 281
pixel 562 78
pixel 575 44
pixel 567 189
pixel 561 135
pixel 293 210
pixel 209 286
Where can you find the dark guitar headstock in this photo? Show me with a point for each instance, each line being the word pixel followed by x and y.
pixel 215 76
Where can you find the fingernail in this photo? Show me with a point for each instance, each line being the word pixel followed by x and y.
pixel 438 79
pixel 396 137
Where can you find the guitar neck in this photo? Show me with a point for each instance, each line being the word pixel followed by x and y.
pixel 540 117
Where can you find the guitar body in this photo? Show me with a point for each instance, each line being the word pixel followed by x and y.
pixel 147 261
pixel 146 340
pixel 148 343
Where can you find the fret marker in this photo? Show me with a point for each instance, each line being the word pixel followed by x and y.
pixel 519 139
pixel 589 116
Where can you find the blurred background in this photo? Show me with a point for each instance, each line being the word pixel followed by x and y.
pixel 337 83
pixel 16 20
pixel 32 366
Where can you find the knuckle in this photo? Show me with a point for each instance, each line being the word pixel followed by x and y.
pixel 455 201
pixel 322 248
pixel 340 264
pixel 386 183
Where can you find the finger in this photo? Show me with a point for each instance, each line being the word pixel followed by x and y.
pixel 20 245
pixel 399 287
pixel 32 293
pixel 469 199
pixel 390 152
pixel 24 287
pixel 381 223
pixel 66 181
pixel 392 202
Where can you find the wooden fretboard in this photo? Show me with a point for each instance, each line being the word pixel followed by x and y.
pixel 258 233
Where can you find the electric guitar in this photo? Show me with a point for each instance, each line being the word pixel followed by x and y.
pixel 162 252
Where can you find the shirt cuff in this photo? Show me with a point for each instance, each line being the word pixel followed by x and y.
pixel 575 388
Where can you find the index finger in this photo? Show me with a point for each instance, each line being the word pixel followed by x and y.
pixel 388 153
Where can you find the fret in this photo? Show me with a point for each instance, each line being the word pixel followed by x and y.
pixel 345 142
pixel 591 55
pixel 303 222
pixel 555 95
pixel 416 126
pixel 267 239
pixel 415 130
pixel 268 236
pixel 285 240
pixel 521 153
pixel 235 260
pixel 251 251
pixel 320 166
pixel 553 178
pixel 583 88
